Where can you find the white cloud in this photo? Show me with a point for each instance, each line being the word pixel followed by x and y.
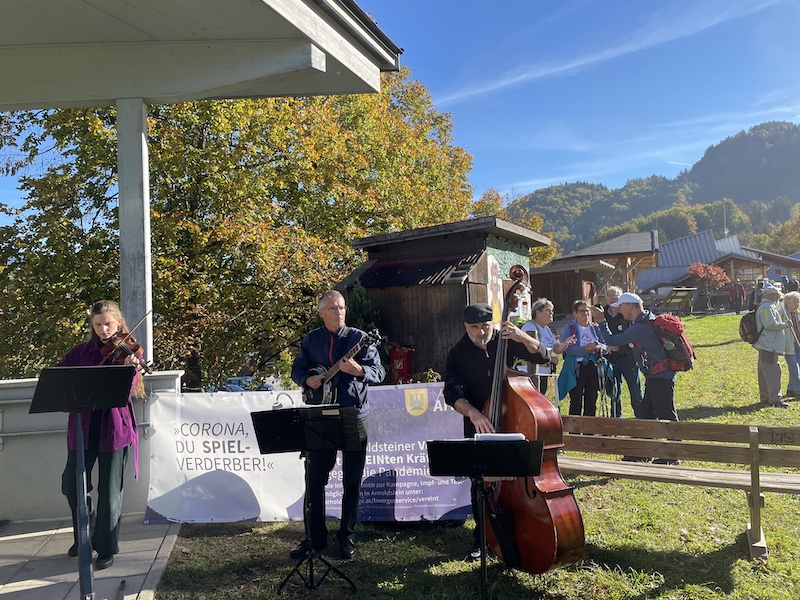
pixel 687 20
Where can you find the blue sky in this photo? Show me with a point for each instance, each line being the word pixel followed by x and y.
pixel 543 93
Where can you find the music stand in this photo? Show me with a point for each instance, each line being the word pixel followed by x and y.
pixel 308 428
pixel 75 389
pixel 497 455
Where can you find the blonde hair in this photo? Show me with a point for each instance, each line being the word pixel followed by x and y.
pixel 102 307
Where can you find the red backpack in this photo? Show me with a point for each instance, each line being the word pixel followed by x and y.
pixel 680 354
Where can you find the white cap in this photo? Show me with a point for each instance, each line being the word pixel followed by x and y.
pixel 629 298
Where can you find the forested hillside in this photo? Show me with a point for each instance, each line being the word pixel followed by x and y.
pixel 747 184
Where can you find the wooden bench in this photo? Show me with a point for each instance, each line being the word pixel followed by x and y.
pixel 750 445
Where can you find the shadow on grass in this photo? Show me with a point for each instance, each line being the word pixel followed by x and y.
pixel 401 562
pixel 246 560
pixel 725 343
pixel 678 569
pixel 702 413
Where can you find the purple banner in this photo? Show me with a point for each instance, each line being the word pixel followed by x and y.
pixel 397 485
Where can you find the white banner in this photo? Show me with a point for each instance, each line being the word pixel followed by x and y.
pixel 206 466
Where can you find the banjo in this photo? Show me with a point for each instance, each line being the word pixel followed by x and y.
pixel 326 393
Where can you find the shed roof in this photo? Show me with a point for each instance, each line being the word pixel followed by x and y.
pixel 486 225
pixel 629 244
pixel 660 276
pixel 776 259
pixel 431 270
pixel 594 266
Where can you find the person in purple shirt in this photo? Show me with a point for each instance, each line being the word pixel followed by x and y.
pixel 109 436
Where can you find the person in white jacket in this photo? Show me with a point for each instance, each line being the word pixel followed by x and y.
pixel 770 345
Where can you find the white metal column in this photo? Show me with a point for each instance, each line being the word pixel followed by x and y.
pixel 136 274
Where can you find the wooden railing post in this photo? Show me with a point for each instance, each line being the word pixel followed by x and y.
pixel 755 534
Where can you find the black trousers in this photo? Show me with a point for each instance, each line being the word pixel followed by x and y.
pixel 319 464
pixel 659 399
pixel 110 476
pixel 584 394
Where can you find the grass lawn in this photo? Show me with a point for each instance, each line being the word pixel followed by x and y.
pixel 643 540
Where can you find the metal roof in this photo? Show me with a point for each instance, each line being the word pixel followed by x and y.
pixel 431 270
pixel 699 247
pixel 595 266
pixel 731 245
pixel 660 276
pixel 777 259
pixel 624 245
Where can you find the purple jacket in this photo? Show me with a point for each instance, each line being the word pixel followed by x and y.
pixel 117 425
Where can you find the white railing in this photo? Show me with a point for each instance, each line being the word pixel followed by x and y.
pixel 33 452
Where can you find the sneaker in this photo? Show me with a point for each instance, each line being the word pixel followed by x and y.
pixel 666 461
pixel 475 553
pixel 779 404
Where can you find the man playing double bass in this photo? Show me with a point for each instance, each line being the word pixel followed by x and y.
pixel 468 374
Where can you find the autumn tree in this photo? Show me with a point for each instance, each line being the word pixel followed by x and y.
pixel 785 238
pixel 493 203
pixel 708 278
pixel 253 206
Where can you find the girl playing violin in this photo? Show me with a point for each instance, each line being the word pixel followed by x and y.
pixel 108 435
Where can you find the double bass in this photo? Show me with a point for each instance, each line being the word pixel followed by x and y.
pixel 535 522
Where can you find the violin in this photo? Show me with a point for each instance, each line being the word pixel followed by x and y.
pixel 119 347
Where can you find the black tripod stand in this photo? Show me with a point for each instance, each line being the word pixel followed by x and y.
pixel 75 389
pixel 304 429
pixel 486 457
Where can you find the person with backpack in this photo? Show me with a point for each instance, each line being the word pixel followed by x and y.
pixel 650 355
pixel 621 359
pixel 770 345
pixel 758 295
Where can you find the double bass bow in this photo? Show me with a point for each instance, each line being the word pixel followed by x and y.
pixel 535 522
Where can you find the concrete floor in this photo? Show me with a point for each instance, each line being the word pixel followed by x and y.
pixel 34 564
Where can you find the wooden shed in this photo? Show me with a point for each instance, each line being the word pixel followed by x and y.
pixel 629 254
pixel 563 283
pixel 421 279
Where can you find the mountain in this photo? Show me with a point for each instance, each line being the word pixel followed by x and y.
pixel 746 184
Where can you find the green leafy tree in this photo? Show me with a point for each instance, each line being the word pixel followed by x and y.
pixel 253 206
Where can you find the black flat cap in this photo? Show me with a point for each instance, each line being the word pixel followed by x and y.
pixel 477 313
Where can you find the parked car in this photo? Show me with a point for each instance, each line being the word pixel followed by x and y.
pixel 244 382
pixel 231 387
